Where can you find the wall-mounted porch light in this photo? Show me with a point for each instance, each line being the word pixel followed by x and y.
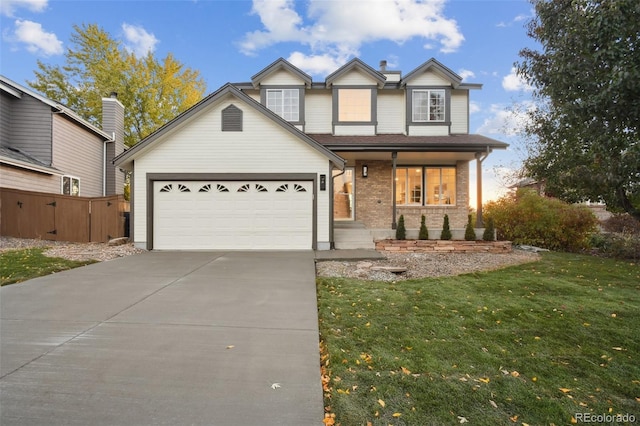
pixel 365 171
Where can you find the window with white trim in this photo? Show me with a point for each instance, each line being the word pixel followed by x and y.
pixel 409 186
pixel 440 185
pixel 428 105
pixel 285 103
pixel 70 185
pixel 425 186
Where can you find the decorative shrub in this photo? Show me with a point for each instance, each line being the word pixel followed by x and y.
pixel 489 231
pixel 469 232
pixel 617 245
pixel 528 218
pixel 622 223
pixel 424 233
pixel 446 231
pixel 401 232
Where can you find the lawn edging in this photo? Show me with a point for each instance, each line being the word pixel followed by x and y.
pixel 444 246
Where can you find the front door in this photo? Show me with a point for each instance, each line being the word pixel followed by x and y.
pixel 343 184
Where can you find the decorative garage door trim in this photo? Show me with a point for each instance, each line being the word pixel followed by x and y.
pixel 252 177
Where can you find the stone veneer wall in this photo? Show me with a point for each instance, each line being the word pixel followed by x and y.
pixel 440 246
pixel 374 199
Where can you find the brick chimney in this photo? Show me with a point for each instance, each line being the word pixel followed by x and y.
pixel 113 124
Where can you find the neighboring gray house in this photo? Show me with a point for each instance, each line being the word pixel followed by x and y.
pixel 46 147
pixel 283 162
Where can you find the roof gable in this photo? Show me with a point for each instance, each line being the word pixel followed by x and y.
pixel 437 67
pixel 356 64
pixel 18 90
pixel 277 65
pixel 204 105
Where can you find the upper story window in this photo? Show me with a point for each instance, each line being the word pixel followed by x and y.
pixel 428 105
pixel 285 103
pixel 354 105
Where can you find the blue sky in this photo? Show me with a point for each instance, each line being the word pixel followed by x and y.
pixel 229 41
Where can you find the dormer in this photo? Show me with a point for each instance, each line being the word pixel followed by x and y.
pixel 429 105
pixel 282 87
pixel 354 90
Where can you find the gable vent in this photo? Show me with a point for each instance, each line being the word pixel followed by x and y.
pixel 232 119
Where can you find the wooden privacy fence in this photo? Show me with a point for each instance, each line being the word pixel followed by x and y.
pixel 26 214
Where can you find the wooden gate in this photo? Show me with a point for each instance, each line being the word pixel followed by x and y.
pixel 26 214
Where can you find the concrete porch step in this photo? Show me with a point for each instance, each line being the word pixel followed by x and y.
pixel 352 235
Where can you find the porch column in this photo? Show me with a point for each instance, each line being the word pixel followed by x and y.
pixel 394 157
pixel 480 157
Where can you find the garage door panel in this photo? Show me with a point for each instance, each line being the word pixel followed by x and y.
pixel 233 215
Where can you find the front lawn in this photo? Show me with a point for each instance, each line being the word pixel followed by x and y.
pixel 538 344
pixel 22 265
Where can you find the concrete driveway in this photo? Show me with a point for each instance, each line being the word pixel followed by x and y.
pixel 164 338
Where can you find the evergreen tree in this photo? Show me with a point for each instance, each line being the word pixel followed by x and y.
pixel 401 232
pixel 489 231
pixel 424 233
pixel 469 232
pixel 446 231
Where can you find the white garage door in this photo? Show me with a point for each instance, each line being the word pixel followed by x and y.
pixel 240 215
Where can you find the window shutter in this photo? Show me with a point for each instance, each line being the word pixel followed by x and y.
pixel 232 119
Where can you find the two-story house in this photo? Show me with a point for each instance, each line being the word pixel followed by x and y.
pixel 46 147
pixel 278 162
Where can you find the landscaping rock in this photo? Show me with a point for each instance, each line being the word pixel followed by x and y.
pixel 118 241
pixel 394 269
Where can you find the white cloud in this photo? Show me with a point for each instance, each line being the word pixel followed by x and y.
pixel 508 121
pixel 8 7
pixel 519 18
pixel 514 83
pixel 138 40
pixel 466 74
pixel 36 39
pixel 474 107
pixel 332 28
pixel 317 64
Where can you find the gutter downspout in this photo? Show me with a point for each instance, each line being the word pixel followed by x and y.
pixel 394 157
pixel 480 157
pixel 104 163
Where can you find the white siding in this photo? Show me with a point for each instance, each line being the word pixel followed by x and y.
pixel 317 110
pixel 429 78
pixel 78 153
pixel 281 77
pixel 460 111
pixel 29 181
pixel 201 147
pixel 354 130
pixel 428 130
pixel 356 78
pixel 391 112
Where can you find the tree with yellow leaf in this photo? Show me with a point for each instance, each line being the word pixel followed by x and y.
pixel 153 91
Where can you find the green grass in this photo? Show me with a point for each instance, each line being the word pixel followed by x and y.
pixel 531 344
pixel 21 265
